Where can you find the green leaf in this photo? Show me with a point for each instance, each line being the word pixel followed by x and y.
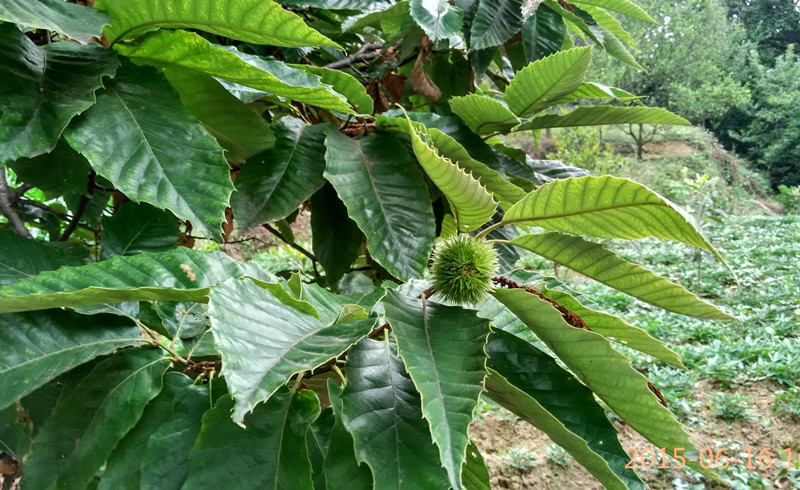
pixel 63 171
pixel 592 90
pixel 437 18
pixel 158 153
pixel 442 347
pixel 385 193
pixel 72 446
pixel 242 316
pixel 273 184
pixel 469 201
pixel 21 257
pixel 40 346
pixel 475 475
pixel 120 474
pixel 75 21
pixel 609 24
pixel 344 84
pixel 181 274
pixel 624 7
pixel 547 170
pixel 482 114
pixel 494 23
pixel 604 115
pixel 139 228
pixel 190 51
pixel 592 260
pixel 390 20
pixel 537 377
pixel 545 81
pixel 238 128
pixel 340 461
pixel 252 21
pixel 271 453
pixel 615 48
pixel 542 33
pixel 165 460
pixel 606 207
pixel 44 88
pixel 336 239
pixel 602 369
pixel 381 409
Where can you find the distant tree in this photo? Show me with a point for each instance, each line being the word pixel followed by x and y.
pixel 771 24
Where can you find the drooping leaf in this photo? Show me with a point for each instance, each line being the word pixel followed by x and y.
pixel 72 446
pixel 442 347
pixel 617 49
pixel 273 184
pixel 21 257
pixel 542 33
pixel 548 170
pixel 606 207
pixel 181 274
pixel 75 21
pixel 624 7
pixel 471 204
pixel 385 193
pixel 537 375
pixel 252 21
pixel 190 51
pixel 158 153
pixel 243 319
pixel 239 129
pixel 592 90
pixel 437 18
pixel 381 409
pixel 340 462
pixel 44 88
pixel 165 460
pixel 545 81
pixel 604 115
pixel 336 239
pixel 494 23
pixel 483 114
pixel 120 474
pixel 592 260
pixel 609 24
pixel 602 369
pixel 270 453
pixel 475 475
pixel 39 346
pixel 139 228
pixel 344 84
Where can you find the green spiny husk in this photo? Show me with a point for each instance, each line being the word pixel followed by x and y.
pixel 463 268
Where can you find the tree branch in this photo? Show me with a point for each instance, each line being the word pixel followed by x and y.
pixel 291 244
pixel 365 53
pixel 7 210
pixel 82 205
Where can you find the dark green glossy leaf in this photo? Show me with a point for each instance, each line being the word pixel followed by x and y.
pixel 273 184
pixel 21 257
pixel 181 274
pixel 243 316
pixel 340 461
pixel 494 23
pixel 336 239
pixel 139 228
pixel 62 171
pixel 139 137
pixel 44 88
pixel 40 346
pixel 121 473
pixel 538 376
pixel 442 347
pixel 270 453
pixel 437 18
pixel 381 409
pixel 542 33
pixel 71 446
pixel 475 474
pixel 385 193
pixel 75 21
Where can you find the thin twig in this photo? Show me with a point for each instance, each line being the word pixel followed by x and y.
pixel 58 214
pixel 290 243
pixel 365 53
pixel 7 210
pixel 15 194
pixel 83 204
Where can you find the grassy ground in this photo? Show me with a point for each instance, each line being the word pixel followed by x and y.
pixel 738 390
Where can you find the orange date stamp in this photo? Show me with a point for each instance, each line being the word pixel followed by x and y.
pixel 720 458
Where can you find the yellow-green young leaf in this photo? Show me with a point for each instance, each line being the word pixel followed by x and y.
pixel 471 204
pixel 190 51
pixel 548 80
pixel 77 22
pixel 602 369
pixel 624 7
pixel 252 21
pixel 592 260
pixel 604 115
pixel 344 84
pixel 606 207
pixel 482 114
pixel 610 24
